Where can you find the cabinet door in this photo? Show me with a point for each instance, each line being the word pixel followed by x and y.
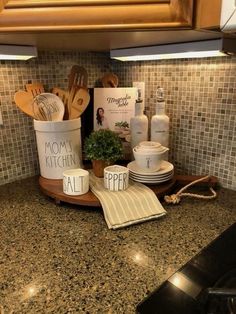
pixel 2 4
pixel 44 15
pixel 208 14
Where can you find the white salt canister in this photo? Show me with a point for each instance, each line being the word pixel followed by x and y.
pixel 75 182
pixel 59 146
pixel 116 178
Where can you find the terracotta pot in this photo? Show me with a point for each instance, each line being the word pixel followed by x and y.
pixel 98 167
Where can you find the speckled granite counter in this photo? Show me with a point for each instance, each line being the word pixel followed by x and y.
pixel 64 259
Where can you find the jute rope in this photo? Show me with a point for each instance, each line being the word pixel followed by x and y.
pixel 175 198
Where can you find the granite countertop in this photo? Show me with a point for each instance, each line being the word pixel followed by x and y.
pixel 64 259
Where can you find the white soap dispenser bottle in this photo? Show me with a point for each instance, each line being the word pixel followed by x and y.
pixel 138 123
pixel 160 121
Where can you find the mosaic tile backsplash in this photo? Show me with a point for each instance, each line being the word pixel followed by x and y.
pixel 200 101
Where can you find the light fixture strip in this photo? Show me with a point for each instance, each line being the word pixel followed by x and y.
pixel 15 52
pixel 199 49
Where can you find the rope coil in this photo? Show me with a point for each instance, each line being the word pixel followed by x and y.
pixel 175 198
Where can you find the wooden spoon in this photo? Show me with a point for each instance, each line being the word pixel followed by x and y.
pixel 24 101
pixel 80 103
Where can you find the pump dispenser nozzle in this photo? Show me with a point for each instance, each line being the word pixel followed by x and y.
pixel 160 93
pixel 139 94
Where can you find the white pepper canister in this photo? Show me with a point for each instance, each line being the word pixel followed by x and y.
pixel 160 121
pixel 139 123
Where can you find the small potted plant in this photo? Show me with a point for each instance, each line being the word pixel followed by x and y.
pixel 103 147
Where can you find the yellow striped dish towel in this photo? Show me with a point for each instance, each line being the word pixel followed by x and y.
pixel 136 204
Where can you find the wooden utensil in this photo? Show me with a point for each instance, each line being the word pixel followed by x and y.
pixel 110 80
pixel 78 78
pixel 64 95
pixel 24 101
pixel 80 103
pixel 82 77
pixel 72 83
pixel 34 88
pixel 61 93
pixel 71 97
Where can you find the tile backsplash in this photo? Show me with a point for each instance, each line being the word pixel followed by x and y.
pixel 200 100
pixel 201 104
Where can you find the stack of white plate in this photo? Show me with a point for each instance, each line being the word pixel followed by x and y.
pixel 164 174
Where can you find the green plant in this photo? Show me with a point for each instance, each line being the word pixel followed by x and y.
pixel 103 145
pixel 122 124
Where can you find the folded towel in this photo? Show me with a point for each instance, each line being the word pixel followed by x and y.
pixel 136 204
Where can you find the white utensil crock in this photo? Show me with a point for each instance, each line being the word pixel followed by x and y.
pixel 59 146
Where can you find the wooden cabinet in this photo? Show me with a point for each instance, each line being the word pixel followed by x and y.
pixel 208 14
pixel 95 15
pixel 2 4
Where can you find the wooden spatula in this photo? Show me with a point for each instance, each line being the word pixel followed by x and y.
pixel 34 88
pixel 78 77
pixel 110 80
pixel 80 103
pixel 24 101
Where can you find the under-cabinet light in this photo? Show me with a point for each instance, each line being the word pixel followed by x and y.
pixel 197 49
pixel 13 52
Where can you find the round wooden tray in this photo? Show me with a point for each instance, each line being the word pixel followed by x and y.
pixel 54 189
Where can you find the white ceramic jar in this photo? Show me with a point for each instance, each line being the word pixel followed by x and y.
pixel 116 178
pixel 75 181
pixel 59 146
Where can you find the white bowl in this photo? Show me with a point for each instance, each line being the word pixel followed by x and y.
pixel 152 148
pixel 149 145
pixel 149 160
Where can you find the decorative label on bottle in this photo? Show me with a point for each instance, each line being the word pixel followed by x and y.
pixel 138 124
pixel 160 121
